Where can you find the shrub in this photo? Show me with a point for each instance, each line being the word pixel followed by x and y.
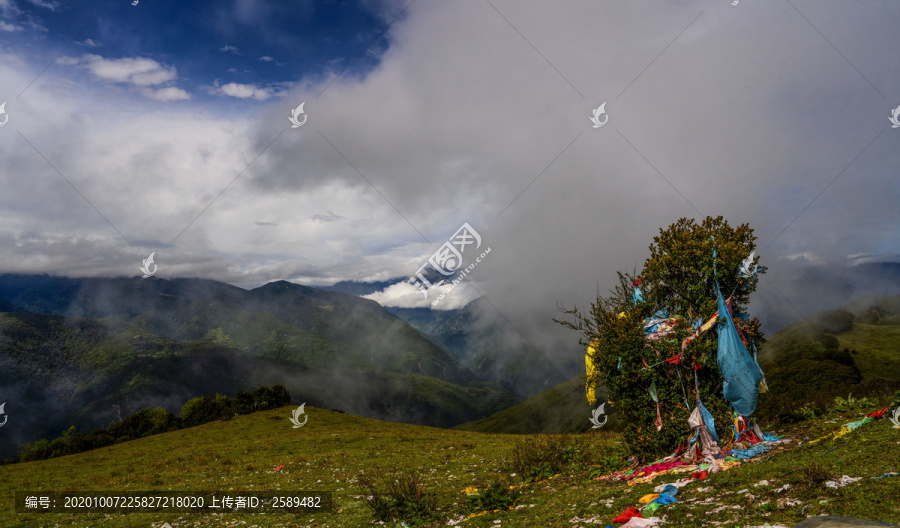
pixel 498 495
pixel 829 342
pixel 539 458
pixel 263 399
pixel 280 396
pixel 243 402
pixel 143 423
pixel 813 476
pixel 844 357
pixel 608 464
pixel 399 495
pixel 833 321
pixel 851 403
pixel 205 409
pixel 39 450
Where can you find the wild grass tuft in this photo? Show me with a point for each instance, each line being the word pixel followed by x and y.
pixel 399 495
pixel 542 457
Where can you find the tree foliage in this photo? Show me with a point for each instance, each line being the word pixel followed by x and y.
pixel 686 261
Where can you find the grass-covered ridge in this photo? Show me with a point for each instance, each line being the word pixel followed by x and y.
pixel 562 409
pixel 149 422
pixel 855 349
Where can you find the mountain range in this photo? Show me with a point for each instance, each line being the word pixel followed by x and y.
pixel 88 351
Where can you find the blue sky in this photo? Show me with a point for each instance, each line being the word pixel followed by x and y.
pixel 259 48
pixel 164 127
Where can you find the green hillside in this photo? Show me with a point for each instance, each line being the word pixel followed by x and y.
pixel 562 409
pixel 333 451
pixel 855 349
pixel 877 349
pixel 320 329
pixel 63 371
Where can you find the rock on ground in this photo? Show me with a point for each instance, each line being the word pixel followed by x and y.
pixel 840 522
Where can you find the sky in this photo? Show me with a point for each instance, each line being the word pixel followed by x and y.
pixel 156 126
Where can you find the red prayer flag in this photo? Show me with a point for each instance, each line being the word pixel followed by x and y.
pixel 627 514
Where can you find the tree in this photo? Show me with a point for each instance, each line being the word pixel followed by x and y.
pixel 280 396
pixel 204 409
pixel 678 281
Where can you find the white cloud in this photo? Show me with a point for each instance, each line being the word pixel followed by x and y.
pixel 9 8
pixel 166 94
pixel 18 20
pixel 136 71
pixel 406 295
pixel 88 43
pixel 9 27
pixel 52 6
pixel 232 49
pixel 807 256
pixel 243 91
pixel 266 58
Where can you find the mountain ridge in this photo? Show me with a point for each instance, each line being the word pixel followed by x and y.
pixel 330 348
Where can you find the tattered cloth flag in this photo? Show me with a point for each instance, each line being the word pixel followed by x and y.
pixel 590 387
pixel 742 375
pixel 637 296
pixel 702 422
pixel 705 327
pixel 658 423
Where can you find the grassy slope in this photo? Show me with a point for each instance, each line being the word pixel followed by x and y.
pixel 331 450
pixel 874 336
pixel 878 349
pixel 562 409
